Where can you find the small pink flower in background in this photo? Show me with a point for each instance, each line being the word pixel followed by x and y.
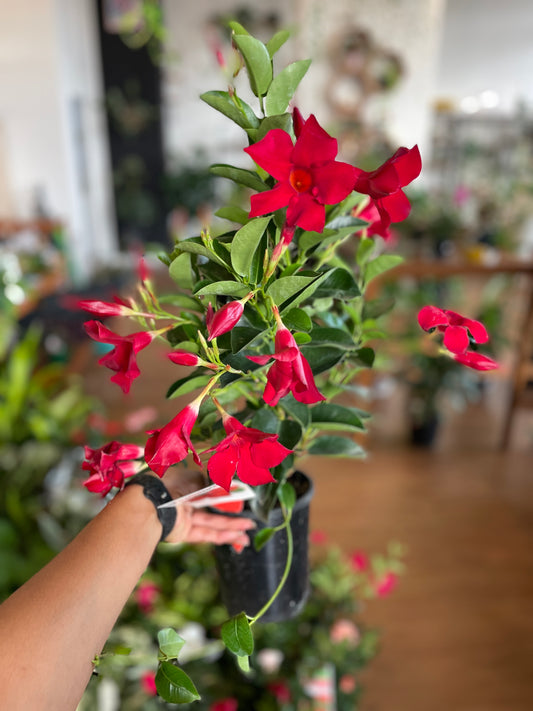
pixel 290 371
pixel 318 537
pixel 460 195
pixel 145 596
pixel 280 690
pixel 359 561
pixel 246 452
pixel 308 175
pixel 122 359
pixel 270 660
pixel 386 584
pixel 223 320
pixel 148 683
pixel 376 224
pixel 138 419
pixel 344 630
pixel 171 444
pixel 142 268
pixel 110 465
pixel 229 704
pixel 109 428
pixel 347 683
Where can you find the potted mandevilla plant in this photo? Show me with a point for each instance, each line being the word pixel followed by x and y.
pixel 274 325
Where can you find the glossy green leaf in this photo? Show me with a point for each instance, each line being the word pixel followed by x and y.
pixel 333 337
pixel 224 288
pixel 336 446
pixel 283 121
pixel 239 175
pixel 187 385
pixel 287 495
pixel 237 28
pixel 339 284
pixel 237 635
pixel 242 336
pixel 277 41
pixel 262 537
pixel 381 264
pixel 344 221
pixel 266 420
pixel 181 271
pixel 181 300
pixel 301 338
pixel 297 320
pixel 195 246
pixel 297 410
pixel 322 358
pixel 257 61
pixel 241 113
pixel 245 243
pixel 326 414
pixel 174 685
pixel 170 643
pixel 244 664
pixel 290 433
pixel 364 251
pixel 284 85
pixel 282 289
pixel 233 213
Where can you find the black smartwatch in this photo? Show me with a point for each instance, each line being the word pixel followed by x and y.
pixel 154 490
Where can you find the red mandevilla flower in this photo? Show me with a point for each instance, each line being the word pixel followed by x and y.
pixel 182 357
pixel 478 361
pixel 122 359
pixel 457 329
pixel 246 452
pixel 308 175
pixel 148 683
pixel 384 185
pixel 290 371
pixel 171 444
pixel 223 320
pixel 110 465
pixel 229 704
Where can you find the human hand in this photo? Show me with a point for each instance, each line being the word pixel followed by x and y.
pixel 200 526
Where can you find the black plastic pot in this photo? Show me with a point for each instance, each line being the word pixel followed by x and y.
pixel 424 434
pixel 248 579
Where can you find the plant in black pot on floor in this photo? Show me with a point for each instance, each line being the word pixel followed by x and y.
pixel 273 324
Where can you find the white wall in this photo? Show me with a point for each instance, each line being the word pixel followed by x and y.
pixel 52 122
pixel 487 44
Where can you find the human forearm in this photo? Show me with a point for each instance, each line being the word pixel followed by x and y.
pixel 55 624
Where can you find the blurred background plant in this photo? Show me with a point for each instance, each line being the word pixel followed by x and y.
pixel 42 413
pixel 324 650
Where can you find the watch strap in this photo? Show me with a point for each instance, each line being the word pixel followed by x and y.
pixel 154 490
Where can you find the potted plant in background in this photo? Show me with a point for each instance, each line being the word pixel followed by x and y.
pixel 274 324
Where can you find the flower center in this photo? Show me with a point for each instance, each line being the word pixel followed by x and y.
pixel 300 179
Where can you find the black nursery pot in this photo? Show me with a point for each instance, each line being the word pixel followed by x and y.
pixel 248 579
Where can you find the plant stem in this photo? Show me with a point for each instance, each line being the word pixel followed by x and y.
pixel 287 519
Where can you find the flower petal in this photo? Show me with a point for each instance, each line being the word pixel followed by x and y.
pixel 430 317
pixel 456 339
pixel 271 200
pixel 273 153
pixel 396 206
pixel 478 361
pixel 222 466
pixel 314 145
pixel 306 212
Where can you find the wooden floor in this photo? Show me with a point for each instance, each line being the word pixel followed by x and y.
pixel 458 633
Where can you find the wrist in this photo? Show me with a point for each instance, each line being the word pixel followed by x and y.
pixel 154 493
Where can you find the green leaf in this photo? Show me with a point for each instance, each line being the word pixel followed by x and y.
pixel 305 293
pixel 336 446
pixel 290 433
pixel 277 41
pixel 237 28
pixel 381 264
pixel 170 643
pixel 244 664
pixel 321 358
pixel 224 288
pixel 239 175
pixel 174 685
pixel 284 85
pixel 343 221
pixel 364 251
pixel 187 385
pixel 233 213
pixel 266 420
pixel 339 284
pixel 326 414
pixel 297 320
pixel 301 338
pixel 297 410
pixel 240 112
pixel 181 272
pixel 257 60
pixel 364 356
pixel 333 337
pixel 242 336
pixel 283 121
pixel 194 245
pixel 282 289
pixel 245 243
pixel 237 635
pixel 287 495
pixel 262 537
pixel 377 307
pixel 181 300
